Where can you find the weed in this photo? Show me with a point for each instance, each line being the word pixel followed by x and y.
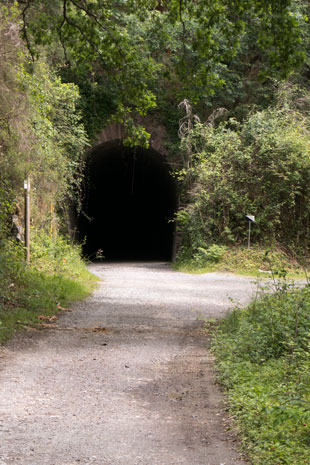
pixel 210 255
pixel 263 357
pixel 56 277
pixel 256 261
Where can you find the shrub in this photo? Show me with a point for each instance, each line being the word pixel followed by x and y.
pixel 261 167
pixel 56 277
pixel 263 359
pixel 210 255
pixel 270 327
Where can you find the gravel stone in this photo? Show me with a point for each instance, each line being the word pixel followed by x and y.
pixel 125 378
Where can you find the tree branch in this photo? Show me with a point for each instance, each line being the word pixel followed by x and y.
pixel 183 24
pixel 67 20
pixel 100 24
pixel 24 29
pixel 60 30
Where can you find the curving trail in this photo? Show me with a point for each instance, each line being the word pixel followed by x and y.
pixel 125 378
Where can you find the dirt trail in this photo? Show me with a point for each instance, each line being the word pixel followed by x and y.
pixel 124 379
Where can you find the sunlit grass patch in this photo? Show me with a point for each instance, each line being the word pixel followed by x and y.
pixel 256 261
pixel 56 277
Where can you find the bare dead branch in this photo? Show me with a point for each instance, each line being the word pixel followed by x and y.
pixel 216 114
pixel 188 121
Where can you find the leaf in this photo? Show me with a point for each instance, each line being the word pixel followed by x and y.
pixel 50 319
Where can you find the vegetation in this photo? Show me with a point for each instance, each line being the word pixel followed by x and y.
pixel 256 261
pixel 259 167
pixel 57 276
pixel 136 54
pixel 41 136
pixel 41 132
pixel 70 67
pixel 263 358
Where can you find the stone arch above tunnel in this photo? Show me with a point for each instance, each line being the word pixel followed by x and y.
pixel 116 132
pixel 130 200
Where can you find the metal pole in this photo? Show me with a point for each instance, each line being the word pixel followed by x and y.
pixel 27 219
pixel 249 236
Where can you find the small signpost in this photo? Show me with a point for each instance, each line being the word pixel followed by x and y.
pixel 250 219
pixel 27 218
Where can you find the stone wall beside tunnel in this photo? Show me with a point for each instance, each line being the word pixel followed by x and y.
pixel 129 202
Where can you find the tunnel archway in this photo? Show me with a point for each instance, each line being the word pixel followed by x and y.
pixel 129 202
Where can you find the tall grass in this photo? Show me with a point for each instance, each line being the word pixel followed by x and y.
pixel 263 358
pixel 56 276
pixel 256 261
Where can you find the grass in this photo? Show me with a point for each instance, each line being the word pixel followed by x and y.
pixel 56 277
pixel 256 261
pixel 263 360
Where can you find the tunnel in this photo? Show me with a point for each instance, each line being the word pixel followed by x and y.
pixel 128 206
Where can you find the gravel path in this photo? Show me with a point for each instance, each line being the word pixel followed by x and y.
pixel 125 378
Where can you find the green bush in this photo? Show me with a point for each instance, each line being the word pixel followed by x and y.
pixel 55 254
pixel 270 327
pixel 57 275
pixel 210 255
pixel 263 359
pixel 41 134
pixel 260 167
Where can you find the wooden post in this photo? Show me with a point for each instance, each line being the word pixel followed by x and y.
pixel 51 224
pixel 27 218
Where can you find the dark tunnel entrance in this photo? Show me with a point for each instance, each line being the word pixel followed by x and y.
pixel 129 200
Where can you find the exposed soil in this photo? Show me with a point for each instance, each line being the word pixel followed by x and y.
pixel 125 378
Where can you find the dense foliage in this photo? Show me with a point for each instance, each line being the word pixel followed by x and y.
pixel 30 295
pixel 260 167
pixel 41 133
pixel 136 54
pixel 124 58
pixel 264 362
pixel 41 136
pixel 70 67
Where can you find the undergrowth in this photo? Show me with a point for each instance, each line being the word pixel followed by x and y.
pixel 256 261
pixel 263 359
pixel 57 275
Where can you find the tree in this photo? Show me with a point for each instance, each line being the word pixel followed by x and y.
pixel 261 167
pixel 139 48
pixel 41 133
